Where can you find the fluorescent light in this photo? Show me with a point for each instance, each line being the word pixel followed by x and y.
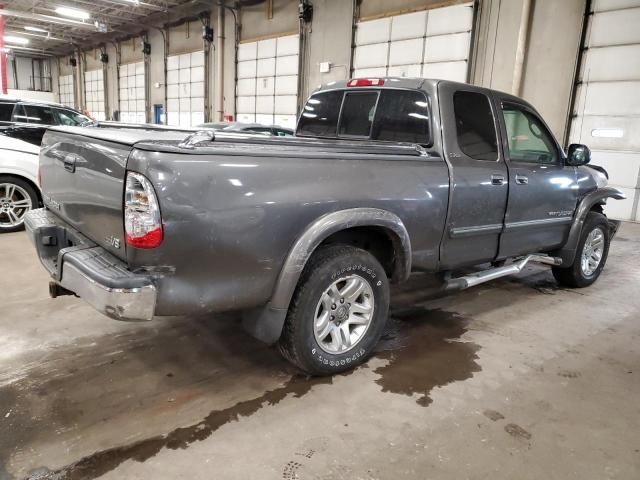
pixel 14 39
pixel 606 132
pixel 36 29
pixel 73 13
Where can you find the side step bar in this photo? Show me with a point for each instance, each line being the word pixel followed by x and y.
pixel 474 279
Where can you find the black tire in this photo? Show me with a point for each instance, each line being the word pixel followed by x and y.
pixel 574 276
pixel 298 342
pixel 30 191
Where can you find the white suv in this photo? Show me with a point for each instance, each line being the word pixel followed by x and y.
pixel 22 125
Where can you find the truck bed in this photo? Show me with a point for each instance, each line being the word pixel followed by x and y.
pixel 237 204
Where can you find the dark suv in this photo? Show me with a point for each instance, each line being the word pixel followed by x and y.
pixel 28 120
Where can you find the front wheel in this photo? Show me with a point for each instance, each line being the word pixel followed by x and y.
pixel 591 254
pixel 17 197
pixel 338 311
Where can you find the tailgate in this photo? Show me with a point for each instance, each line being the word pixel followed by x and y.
pixel 82 181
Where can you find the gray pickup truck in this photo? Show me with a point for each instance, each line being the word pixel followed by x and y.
pixel 304 234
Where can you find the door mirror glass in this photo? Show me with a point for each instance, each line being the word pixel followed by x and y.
pixel 578 154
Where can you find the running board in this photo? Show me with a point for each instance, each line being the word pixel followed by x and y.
pixel 474 279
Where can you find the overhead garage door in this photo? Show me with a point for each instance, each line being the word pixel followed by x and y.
pixel 607 113
pixel 94 93
pixel 132 106
pixel 430 44
pixel 185 89
pixel 267 89
pixel 65 90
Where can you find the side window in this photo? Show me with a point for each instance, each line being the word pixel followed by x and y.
pixel 358 110
pixel 6 110
pixel 402 116
pixel 475 127
pixel 529 140
pixel 40 115
pixel 320 115
pixel 18 114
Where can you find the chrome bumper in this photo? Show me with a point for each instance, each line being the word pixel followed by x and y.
pixel 89 271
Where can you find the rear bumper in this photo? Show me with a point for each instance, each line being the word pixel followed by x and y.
pixel 89 271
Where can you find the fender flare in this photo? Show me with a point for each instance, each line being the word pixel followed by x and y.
pixel 568 252
pixel 266 323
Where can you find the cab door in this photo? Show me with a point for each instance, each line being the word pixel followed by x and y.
pixel 543 192
pixel 479 176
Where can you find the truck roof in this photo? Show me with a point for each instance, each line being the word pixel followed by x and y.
pixel 414 83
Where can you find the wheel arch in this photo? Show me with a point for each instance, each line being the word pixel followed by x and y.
pixel 266 323
pixel 328 226
pixel 593 201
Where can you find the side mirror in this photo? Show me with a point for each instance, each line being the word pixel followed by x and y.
pixel 578 154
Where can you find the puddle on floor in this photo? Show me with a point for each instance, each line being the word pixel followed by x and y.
pixel 423 351
pixel 104 461
pixel 420 345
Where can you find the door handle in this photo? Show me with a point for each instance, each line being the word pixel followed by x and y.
pixel 522 180
pixel 497 179
pixel 70 163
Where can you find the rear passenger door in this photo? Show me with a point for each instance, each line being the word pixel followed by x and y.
pixel 479 177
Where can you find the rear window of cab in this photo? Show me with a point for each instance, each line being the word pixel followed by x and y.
pixel 371 114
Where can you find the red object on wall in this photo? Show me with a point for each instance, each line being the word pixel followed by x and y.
pixel 228 118
pixel 3 60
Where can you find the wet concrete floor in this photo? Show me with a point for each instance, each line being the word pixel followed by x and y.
pixel 513 379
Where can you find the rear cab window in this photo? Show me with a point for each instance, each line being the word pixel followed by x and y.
pixel 6 111
pixel 475 125
pixel 391 115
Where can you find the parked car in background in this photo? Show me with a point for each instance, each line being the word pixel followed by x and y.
pixel 22 126
pixel 19 190
pixel 230 127
pixel 28 119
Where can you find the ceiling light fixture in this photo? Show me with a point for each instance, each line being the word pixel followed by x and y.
pixel 73 13
pixel 14 39
pixel 36 29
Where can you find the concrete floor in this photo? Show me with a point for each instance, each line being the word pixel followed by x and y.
pixel 513 379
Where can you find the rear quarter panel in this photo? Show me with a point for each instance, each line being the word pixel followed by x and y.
pixel 231 218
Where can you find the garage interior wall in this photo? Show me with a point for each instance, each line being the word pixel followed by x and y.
pixel 429 43
pixel 267 87
pixel 607 110
pixel 131 82
pixel 186 75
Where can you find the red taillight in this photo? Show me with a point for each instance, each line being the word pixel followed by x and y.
pixel 365 82
pixel 150 239
pixel 142 221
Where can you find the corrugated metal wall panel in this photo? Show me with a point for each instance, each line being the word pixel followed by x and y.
pixel 185 89
pixel 607 110
pixel 267 87
pixel 432 43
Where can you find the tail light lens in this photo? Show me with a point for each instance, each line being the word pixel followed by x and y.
pixel 142 220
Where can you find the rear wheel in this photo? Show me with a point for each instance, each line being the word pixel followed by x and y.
pixel 338 311
pixel 591 254
pixel 17 197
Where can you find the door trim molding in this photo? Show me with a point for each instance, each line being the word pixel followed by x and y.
pixel 536 223
pixel 479 230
